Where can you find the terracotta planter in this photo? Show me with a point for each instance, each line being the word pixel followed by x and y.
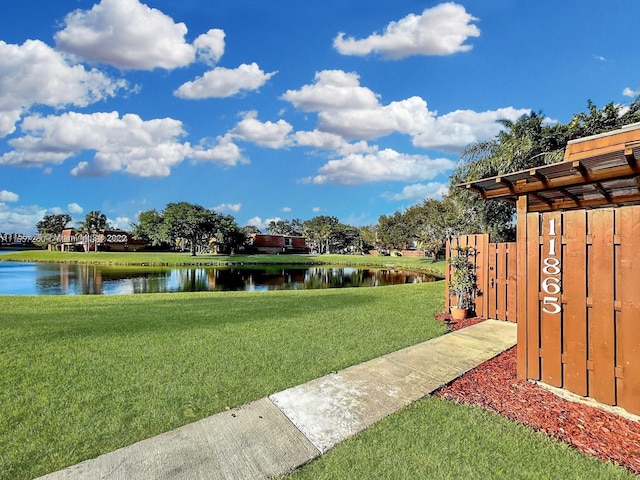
pixel 458 313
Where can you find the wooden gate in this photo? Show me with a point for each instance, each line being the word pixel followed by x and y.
pixel 579 312
pixel 496 272
pixel 501 293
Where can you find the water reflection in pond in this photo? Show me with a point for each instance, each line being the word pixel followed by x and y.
pixel 69 279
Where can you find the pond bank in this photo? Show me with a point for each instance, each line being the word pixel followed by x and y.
pixel 153 259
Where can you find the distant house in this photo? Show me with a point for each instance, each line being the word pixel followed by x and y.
pixel 276 244
pixel 107 240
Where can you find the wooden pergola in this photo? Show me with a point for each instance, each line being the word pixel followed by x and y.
pixel 602 170
pixel 578 256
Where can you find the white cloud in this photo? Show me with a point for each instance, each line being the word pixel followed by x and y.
pixel 129 35
pixel 130 144
pixel 74 209
pixel 120 223
pixel 260 224
pixel 441 30
pixel 8 120
pixel 316 209
pixel 35 74
pixel 210 46
pixel 332 90
pixel 228 207
pixel 318 139
pixel 21 219
pixel 453 131
pixel 419 191
pixel 286 209
pixel 7 196
pixel 345 108
pixel 357 147
pixel 223 82
pixel 55 211
pixel 448 133
pixel 121 144
pixel 267 134
pixel 406 116
pixel 256 222
pixel 330 141
pixel 364 118
pixel 628 92
pixel 225 152
pixel 385 165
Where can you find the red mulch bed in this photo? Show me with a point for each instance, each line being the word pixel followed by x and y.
pixel 494 386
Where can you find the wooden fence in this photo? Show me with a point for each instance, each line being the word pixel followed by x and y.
pixel 501 294
pixel 575 292
pixel 496 272
pixel 579 303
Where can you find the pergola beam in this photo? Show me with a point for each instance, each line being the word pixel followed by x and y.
pixel 503 181
pixel 602 191
pixel 479 190
pixel 543 199
pixel 600 170
pixel 536 173
pixel 629 154
pixel 589 177
pixel 567 193
pixel 570 204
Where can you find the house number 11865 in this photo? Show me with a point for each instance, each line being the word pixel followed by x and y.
pixel 552 271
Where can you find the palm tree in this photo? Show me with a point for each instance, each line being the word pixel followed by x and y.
pixel 525 143
pixel 94 223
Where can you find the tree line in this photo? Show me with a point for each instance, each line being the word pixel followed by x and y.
pixel 528 142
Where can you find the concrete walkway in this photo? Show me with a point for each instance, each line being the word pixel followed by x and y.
pixel 273 436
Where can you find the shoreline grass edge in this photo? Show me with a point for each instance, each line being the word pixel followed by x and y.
pixel 165 259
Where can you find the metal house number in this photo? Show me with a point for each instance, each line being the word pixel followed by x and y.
pixel 552 271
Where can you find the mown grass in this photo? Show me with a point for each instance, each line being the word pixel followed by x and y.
pixel 84 375
pixel 436 439
pixel 179 259
pixel 81 376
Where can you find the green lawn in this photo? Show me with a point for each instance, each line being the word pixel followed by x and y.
pixel 436 439
pixel 84 375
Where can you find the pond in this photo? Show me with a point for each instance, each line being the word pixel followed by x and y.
pixel 22 278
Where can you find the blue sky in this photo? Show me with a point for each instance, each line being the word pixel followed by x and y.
pixel 283 109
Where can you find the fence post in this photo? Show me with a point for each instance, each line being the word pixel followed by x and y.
pixel 523 319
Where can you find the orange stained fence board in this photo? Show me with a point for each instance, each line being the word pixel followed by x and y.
pixel 601 314
pixel 574 294
pixel 628 336
pixel 530 292
pixel 521 309
pixel 512 281
pixel 482 250
pixel 550 305
pixel 492 284
pixel 502 281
